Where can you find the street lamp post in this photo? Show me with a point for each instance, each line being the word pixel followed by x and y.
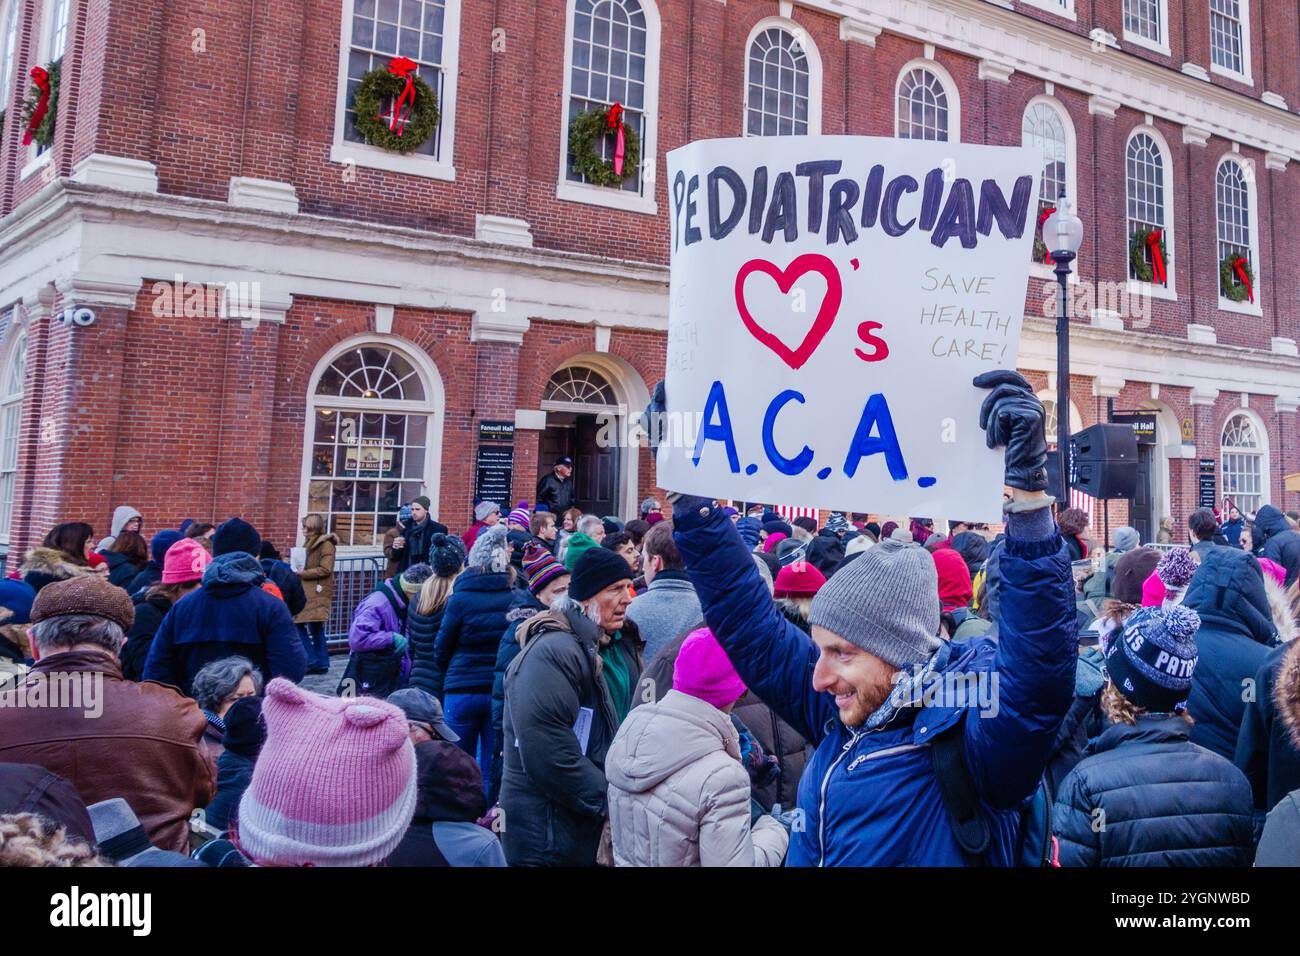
pixel 1063 235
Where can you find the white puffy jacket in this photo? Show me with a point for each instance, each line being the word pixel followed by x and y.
pixel 678 795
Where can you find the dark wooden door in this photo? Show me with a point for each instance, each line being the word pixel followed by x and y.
pixel 595 470
pixel 1139 506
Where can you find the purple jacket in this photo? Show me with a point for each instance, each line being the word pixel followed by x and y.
pixel 376 622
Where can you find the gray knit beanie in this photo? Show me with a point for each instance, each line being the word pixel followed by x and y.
pixel 885 602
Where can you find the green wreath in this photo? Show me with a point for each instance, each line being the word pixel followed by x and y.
pixel 585 130
pixel 43 135
pixel 1233 290
pixel 1143 271
pixel 379 86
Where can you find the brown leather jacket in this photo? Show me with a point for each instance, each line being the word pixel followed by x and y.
pixel 144 745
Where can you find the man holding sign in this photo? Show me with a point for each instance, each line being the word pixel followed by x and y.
pixel 926 749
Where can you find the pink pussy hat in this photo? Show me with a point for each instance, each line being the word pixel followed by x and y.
pixel 703 670
pixel 334 784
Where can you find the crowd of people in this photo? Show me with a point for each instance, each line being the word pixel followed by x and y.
pixel 696 685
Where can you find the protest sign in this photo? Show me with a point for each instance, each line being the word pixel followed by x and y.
pixel 831 299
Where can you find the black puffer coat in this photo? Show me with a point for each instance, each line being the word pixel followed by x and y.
pixel 522 607
pixel 1145 795
pixel 150 609
pixel 422 635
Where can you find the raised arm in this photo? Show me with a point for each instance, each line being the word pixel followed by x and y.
pixel 774 658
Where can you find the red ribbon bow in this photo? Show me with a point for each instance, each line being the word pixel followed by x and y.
pixel 1157 260
pixel 614 120
pixel 41 77
pixel 1042 218
pixel 1240 264
pixel 402 67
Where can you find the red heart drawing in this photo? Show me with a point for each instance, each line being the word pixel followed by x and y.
pixel 785 280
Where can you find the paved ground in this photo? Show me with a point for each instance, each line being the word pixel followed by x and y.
pixel 327 683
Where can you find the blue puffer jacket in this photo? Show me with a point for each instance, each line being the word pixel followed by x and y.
pixel 522 606
pixel 230 614
pixel 1163 801
pixel 422 632
pixel 871 798
pixel 1236 634
pixel 471 630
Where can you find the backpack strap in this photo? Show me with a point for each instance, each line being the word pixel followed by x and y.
pixel 969 824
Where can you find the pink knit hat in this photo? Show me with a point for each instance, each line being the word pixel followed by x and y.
pixel 703 670
pixel 185 561
pixel 1153 591
pixel 772 540
pixel 334 784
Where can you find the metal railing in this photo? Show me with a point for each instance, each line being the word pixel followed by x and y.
pixel 354 578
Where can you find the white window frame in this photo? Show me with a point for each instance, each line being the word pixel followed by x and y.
pixel 373 157
pixel 1265 467
pixel 434 406
pixel 1065 10
pixel 569 191
pixel 950 91
pixel 10 11
pixel 814 58
pixel 1169 291
pixel 1048 397
pixel 36 157
pixel 7 400
pixel 1244 75
pixel 1159 46
pixel 1042 269
pixel 1247 307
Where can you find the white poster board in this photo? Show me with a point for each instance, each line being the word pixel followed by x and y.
pixel 832 297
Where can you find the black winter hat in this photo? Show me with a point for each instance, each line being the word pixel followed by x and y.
pixel 236 535
pixel 445 557
pixel 1153 660
pixel 778 527
pixel 596 570
pixel 245 729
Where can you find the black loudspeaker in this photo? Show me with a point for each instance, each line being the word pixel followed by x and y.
pixel 1105 461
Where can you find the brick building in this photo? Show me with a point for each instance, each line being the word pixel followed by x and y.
pixel 218 299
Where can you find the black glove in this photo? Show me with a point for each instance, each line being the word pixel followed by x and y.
pixel 652 417
pixel 1013 416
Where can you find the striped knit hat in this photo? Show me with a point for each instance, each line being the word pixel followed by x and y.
pixel 519 516
pixel 334 784
pixel 541 568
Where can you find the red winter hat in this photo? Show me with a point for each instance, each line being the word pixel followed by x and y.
pixel 954 579
pixel 800 579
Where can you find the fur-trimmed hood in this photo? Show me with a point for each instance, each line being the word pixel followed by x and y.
pixel 52 562
pixel 1286 692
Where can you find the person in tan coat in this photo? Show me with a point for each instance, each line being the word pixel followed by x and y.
pixel 76 715
pixel 317 577
pixel 678 795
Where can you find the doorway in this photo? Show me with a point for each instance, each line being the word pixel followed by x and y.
pixel 1140 515
pixel 595 469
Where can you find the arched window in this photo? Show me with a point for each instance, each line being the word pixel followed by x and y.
pixel 927 105
pixel 373 435
pixel 779 89
pixel 8 46
pixel 1232 200
pixel 1245 450
pixel 376 31
pixel 578 386
pixel 1149 193
pixel 612 57
pixel 1050 422
pixel 11 410
pixel 1044 129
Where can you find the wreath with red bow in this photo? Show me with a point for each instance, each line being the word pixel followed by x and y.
pixel 1041 252
pixel 1236 279
pixel 1146 242
pixel 592 125
pixel 396 110
pixel 41 107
